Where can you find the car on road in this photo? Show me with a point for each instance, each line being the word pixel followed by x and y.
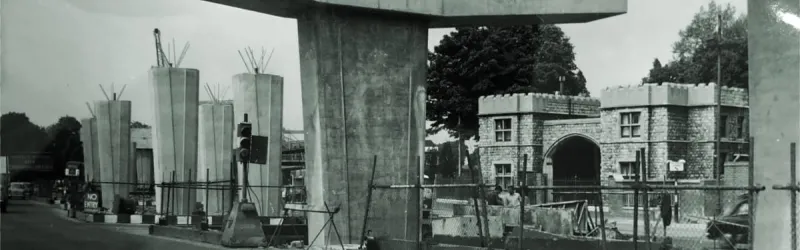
pixel 19 190
pixel 733 223
pixel 3 192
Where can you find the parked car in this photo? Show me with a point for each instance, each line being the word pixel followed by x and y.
pixel 19 190
pixel 734 222
pixel 3 192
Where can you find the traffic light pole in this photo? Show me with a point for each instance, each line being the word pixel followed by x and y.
pixel 245 181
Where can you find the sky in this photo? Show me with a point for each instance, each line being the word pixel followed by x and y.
pixel 55 54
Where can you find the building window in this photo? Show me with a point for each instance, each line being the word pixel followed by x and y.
pixel 740 127
pixel 629 124
pixel 502 130
pixel 628 170
pixel 723 126
pixel 719 171
pixel 503 175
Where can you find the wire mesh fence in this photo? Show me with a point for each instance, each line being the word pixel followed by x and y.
pixel 638 214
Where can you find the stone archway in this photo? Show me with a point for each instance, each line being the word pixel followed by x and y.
pixel 573 160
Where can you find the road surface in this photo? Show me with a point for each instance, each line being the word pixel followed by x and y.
pixel 685 235
pixel 29 225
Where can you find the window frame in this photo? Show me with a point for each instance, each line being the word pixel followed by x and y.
pixel 629 125
pixel 723 126
pixel 634 169
pixel 502 130
pixel 740 127
pixel 503 175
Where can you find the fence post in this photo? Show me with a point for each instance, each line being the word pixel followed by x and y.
pixel 369 200
pixel 187 192
pixel 646 197
pixel 485 240
pixel 637 182
pixel 523 186
pixel 208 185
pixel 173 193
pixel 751 182
pixel 420 198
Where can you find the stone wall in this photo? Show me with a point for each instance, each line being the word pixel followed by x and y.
pixel 528 113
pixel 678 122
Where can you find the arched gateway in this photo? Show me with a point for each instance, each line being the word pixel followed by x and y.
pixel 573 160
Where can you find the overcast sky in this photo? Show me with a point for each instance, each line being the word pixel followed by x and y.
pixel 56 52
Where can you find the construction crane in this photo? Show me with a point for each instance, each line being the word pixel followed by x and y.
pixel 160 60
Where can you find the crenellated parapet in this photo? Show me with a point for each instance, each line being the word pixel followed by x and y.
pixel 538 103
pixel 671 94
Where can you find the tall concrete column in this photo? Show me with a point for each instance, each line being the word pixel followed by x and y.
pixel 114 149
pixel 214 157
pixel 91 162
pixel 260 96
pixel 176 98
pixel 363 83
pixel 774 60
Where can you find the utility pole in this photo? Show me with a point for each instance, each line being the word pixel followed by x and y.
pixel 459 145
pixel 718 162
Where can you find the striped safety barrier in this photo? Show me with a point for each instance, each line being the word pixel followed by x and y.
pixel 153 219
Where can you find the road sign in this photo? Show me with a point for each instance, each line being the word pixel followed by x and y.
pixel 91 202
pixel 72 172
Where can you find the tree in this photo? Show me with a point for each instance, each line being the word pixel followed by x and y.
pixel 448 160
pixel 66 143
pixel 695 53
pixel 19 135
pixel 137 124
pixel 474 62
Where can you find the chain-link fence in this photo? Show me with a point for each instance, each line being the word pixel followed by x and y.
pixel 637 214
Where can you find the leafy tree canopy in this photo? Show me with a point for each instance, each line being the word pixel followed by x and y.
pixel 695 53
pixel 478 61
pixel 448 160
pixel 19 135
pixel 137 124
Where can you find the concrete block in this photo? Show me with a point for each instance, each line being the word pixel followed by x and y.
pixel 176 98
pixel 214 141
pixel 114 148
pixel 91 162
pixel 466 226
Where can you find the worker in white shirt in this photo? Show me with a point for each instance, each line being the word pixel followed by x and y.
pixel 511 202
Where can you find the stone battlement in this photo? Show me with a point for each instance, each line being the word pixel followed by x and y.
pixel 538 103
pixel 671 94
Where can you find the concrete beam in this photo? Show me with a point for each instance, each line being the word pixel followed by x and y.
pixel 214 157
pixel 176 99
pixel 451 13
pixel 774 75
pixel 260 96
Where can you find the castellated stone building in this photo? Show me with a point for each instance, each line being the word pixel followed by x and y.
pixel 574 140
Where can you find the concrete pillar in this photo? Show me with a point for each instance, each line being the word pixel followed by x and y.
pixel 261 97
pixel 774 76
pixel 144 165
pixel 114 149
pixel 363 83
pixel 90 150
pixel 176 98
pixel 214 157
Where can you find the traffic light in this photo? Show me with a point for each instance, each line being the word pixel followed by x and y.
pixel 245 134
